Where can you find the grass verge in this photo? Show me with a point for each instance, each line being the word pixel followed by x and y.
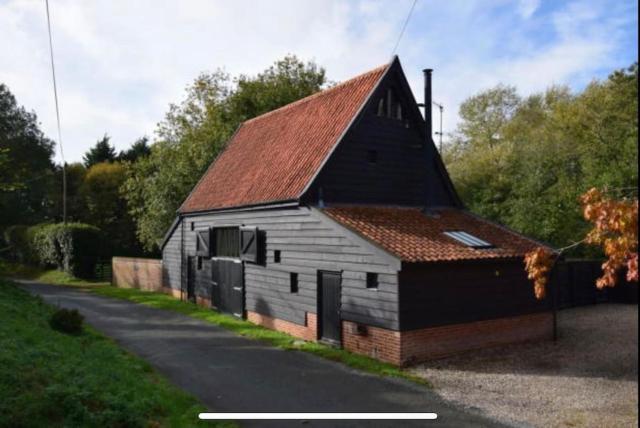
pixel 48 378
pixel 239 326
pixel 52 276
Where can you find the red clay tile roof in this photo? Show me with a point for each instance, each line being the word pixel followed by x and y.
pixel 274 156
pixel 415 237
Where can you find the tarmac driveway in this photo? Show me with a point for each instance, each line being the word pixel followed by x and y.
pixel 229 373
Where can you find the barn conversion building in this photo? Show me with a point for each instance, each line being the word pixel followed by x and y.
pixel 333 218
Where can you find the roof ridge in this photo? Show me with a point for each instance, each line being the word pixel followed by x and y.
pixel 320 93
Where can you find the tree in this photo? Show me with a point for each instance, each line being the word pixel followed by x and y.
pixel 194 131
pixel 480 157
pixel 102 151
pixel 525 161
pixel 27 167
pixel 614 227
pixel 106 209
pixel 139 149
pixel 75 173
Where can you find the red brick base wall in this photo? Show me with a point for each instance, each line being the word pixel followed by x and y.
pixel 172 292
pixel 200 301
pixel 375 342
pixel 309 331
pixel 402 348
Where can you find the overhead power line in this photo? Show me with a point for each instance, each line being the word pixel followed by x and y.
pixel 404 26
pixel 55 97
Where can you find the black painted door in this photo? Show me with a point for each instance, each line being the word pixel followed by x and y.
pixel 228 286
pixel 191 279
pixel 329 306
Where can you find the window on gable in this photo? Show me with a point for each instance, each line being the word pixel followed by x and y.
pixel 293 282
pixel 468 239
pixel 193 226
pixel 390 106
pixel 372 280
pixel 381 108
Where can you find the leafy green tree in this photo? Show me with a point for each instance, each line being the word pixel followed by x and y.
pixel 480 155
pixel 106 209
pixel 102 151
pixel 27 167
pixel 552 148
pixel 75 204
pixel 194 131
pixel 139 149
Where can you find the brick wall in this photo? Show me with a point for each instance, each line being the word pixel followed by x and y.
pixel 145 274
pixel 429 343
pixel 375 342
pixel 402 348
pixel 309 331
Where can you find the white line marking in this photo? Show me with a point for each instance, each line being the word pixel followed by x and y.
pixel 305 416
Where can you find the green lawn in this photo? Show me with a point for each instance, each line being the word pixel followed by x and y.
pixel 242 327
pixel 49 378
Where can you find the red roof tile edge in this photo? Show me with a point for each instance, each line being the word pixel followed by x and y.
pixel 415 237
pixel 381 70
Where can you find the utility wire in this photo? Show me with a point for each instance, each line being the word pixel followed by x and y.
pixel 404 26
pixel 55 97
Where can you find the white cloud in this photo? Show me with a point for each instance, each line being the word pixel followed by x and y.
pixel 526 8
pixel 121 63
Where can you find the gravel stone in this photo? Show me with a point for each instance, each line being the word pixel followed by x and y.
pixel 587 378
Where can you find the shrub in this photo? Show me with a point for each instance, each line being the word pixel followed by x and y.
pixel 67 321
pixel 15 238
pixel 72 247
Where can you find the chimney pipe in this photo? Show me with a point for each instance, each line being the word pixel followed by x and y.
pixel 428 104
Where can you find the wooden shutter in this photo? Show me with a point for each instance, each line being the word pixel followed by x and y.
pixel 249 244
pixel 203 243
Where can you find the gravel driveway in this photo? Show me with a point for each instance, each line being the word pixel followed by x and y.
pixel 588 378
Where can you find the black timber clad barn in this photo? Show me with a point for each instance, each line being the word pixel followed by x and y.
pixel 333 218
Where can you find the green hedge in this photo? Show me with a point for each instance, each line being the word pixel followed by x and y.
pixel 71 247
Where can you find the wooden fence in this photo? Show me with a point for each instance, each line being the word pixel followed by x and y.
pixel 145 274
pixel 576 285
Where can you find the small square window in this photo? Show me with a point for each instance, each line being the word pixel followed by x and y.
pixel 293 278
pixel 372 280
pixel 372 156
pixel 276 256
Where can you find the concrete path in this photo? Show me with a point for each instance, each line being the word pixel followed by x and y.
pixel 229 373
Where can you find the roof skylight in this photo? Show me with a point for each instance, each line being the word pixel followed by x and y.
pixel 468 239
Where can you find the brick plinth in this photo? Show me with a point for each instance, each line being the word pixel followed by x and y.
pixel 375 342
pixel 402 348
pixel 309 331
pixel 172 292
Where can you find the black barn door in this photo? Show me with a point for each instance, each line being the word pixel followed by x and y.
pixel 227 292
pixel 329 306
pixel 191 278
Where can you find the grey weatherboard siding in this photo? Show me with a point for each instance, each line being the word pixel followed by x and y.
pixel 308 242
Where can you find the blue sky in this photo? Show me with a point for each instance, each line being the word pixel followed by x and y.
pixel 120 63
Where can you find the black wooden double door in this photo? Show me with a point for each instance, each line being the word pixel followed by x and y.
pixel 227 286
pixel 330 323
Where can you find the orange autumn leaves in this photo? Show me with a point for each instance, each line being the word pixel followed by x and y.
pixel 538 264
pixel 615 229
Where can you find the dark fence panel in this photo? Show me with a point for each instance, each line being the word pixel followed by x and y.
pixel 576 285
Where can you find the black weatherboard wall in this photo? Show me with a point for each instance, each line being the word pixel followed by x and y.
pixel 384 159
pixel 433 294
pixel 308 242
